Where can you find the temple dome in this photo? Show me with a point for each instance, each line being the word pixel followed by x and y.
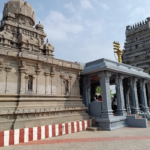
pixel 39 26
pixel 22 10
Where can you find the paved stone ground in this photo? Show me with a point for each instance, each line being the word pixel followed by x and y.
pixel 122 139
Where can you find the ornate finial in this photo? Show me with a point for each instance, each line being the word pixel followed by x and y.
pixel 118 51
pixel 133 26
pixel 47 40
pixel 143 22
pixel 140 23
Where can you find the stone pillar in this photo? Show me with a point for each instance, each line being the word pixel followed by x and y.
pixel 121 111
pixel 134 96
pixel 62 78
pixel 106 101
pixel 52 78
pixel 37 81
pixel 84 91
pixel 26 84
pixel 143 97
pixel 87 92
pixel 148 88
pixel 70 82
pixel 8 69
pixel 128 102
pixel 34 84
pixel 22 80
pixel 1 69
pixel 46 82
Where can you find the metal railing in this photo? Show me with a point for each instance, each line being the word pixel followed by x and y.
pixel 141 112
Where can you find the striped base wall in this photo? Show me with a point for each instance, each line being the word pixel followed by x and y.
pixel 13 137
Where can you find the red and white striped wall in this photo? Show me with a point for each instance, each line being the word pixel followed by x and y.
pixel 13 137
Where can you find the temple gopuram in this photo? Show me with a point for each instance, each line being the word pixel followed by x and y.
pixel 137 46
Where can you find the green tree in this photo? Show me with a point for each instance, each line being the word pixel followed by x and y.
pixel 99 90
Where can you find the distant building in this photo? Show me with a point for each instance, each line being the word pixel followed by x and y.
pixel 137 48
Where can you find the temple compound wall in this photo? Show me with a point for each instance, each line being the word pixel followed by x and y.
pixel 35 88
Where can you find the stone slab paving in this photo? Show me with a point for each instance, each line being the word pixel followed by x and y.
pixel 122 139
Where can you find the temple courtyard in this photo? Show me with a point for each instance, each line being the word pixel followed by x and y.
pixel 121 139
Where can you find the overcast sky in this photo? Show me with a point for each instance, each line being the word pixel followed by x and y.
pixel 84 30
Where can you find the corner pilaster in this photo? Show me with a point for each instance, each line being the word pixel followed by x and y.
pixel 8 70
pixel 46 82
pixel 143 97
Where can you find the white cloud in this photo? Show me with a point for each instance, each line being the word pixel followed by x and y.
pixel 40 6
pixel 137 11
pixel 69 6
pixel 58 27
pixel 86 4
pixel 105 6
pixel 95 27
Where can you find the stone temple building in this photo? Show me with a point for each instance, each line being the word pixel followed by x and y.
pixel 137 48
pixel 35 88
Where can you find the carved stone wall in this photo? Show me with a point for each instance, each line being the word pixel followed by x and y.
pixel 32 89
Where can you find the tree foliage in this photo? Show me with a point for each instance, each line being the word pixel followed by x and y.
pixel 99 90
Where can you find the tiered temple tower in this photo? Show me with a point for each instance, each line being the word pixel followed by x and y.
pixel 137 47
pixel 35 88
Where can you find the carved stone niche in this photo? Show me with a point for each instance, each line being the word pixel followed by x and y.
pixel 66 83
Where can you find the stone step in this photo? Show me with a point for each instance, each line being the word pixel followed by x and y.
pixel 93 129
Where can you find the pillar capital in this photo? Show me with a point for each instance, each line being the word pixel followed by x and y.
pixel 46 74
pixel 38 71
pixel 52 74
pixel 8 69
pixel 1 68
pixel 104 74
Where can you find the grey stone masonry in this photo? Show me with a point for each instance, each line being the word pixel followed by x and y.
pixel 134 96
pixel 121 111
pixel 143 97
